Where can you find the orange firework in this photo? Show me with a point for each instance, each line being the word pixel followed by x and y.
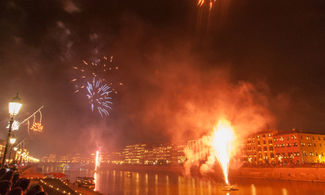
pixel 97 164
pixel 217 146
pixel 222 140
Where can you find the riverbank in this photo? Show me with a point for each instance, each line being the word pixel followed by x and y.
pixel 287 173
pixel 53 185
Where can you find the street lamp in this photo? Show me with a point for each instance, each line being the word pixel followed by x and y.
pixel 12 140
pixel 14 107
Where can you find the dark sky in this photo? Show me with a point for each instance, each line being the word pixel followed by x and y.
pixel 261 60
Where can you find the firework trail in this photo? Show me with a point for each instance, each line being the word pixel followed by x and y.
pixel 100 68
pixel 97 164
pixel 98 96
pixel 211 13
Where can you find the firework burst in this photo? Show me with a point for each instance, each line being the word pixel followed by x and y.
pixel 100 68
pixel 98 94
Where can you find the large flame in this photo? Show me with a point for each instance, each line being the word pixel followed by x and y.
pixel 97 164
pixel 217 146
pixel 222 139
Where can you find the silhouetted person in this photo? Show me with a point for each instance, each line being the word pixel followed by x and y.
pixel 15 178
pixel 23 183
pixel 2 172
pixel 16 191
pixel 7 176
pixel 5 187
pixel 35 188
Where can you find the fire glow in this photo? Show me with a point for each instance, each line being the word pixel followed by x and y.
pixel 217 146
pixel 97 164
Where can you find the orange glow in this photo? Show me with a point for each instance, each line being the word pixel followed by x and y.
pixel 222 139
pixel 200 2
pixel 216 146
pixel 97 164
pixel 38 127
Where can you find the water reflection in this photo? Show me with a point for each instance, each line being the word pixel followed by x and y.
pixel 116 182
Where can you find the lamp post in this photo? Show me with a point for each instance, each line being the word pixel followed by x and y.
pixel 14 107
pixel 12 141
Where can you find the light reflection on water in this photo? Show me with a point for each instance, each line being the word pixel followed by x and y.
pixel 115 182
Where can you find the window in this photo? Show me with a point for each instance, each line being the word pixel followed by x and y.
pixel 270 141
pixel 264 148
pixel 318 138
pixel 258 142
pixel 269 134
pixel 272 155
pixel 313 138
pixel 295 144
pixel 320 145
pixel 264 142
pixel 271 148
pixel 314 145
pixel 288 138
pixel 302 144
pixel 311 154
pixel 307 137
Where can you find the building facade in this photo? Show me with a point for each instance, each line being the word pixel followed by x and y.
pixel 285 147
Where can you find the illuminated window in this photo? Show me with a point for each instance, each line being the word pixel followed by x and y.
pixel 269 134
pixel 310 154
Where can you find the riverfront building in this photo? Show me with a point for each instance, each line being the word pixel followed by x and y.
pixel 285 147
pixel 300 147
pixel 260 148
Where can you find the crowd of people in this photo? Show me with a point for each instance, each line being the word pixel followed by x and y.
pixel 12 184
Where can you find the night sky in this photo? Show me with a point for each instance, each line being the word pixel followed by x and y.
pixel 181 67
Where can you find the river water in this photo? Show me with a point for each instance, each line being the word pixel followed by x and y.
pixel 115 182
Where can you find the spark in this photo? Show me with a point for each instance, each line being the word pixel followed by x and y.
pixel 98 96
pixel 97 164
pixel 222 138
pixel 218 145
pixel 100 68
